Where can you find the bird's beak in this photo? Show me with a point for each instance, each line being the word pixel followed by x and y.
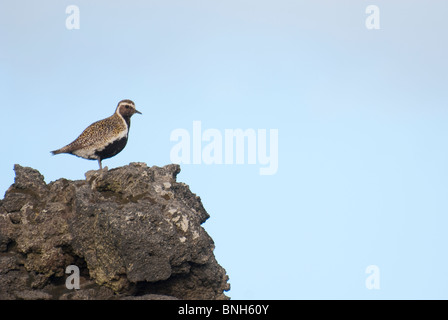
pixel 136 111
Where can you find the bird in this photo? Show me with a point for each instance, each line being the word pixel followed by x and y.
pixel 105 138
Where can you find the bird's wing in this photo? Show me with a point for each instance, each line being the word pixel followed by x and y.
pixel 94 136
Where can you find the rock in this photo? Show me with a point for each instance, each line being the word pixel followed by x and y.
pixel 134 232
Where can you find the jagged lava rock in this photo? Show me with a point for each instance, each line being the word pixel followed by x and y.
pixel 133 231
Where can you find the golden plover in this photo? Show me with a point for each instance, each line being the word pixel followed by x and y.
pixel 105 138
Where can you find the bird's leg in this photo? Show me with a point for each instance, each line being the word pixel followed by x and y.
pixel 99 162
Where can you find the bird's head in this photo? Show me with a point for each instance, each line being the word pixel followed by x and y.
pixel 126 108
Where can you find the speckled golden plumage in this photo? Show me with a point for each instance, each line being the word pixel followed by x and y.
pixel 105 138
pixel 97 134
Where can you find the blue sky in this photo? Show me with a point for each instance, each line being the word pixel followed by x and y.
pixel 361 116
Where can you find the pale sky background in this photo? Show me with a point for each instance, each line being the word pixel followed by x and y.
pixel 362 119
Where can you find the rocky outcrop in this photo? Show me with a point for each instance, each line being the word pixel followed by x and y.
pixel 133 232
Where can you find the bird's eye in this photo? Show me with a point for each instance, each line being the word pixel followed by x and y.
pixel 127 106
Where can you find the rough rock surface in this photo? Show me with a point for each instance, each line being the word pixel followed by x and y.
pixel 133 232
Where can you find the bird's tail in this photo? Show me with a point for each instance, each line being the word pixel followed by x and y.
pixel 67 149
pixel 54 152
